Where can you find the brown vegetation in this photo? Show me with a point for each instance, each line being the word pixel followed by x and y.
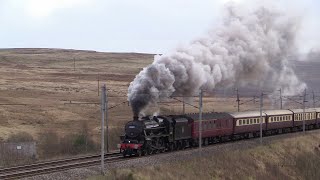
pixel 52 145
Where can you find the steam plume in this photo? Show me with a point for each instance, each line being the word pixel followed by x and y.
pixel 247 49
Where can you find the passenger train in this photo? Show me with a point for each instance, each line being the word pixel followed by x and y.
pixel 156 134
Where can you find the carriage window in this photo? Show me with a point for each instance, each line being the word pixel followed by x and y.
pixel 240 122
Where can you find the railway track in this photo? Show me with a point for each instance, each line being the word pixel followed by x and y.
pixel 55 165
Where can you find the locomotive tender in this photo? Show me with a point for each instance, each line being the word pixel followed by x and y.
pixel 173 132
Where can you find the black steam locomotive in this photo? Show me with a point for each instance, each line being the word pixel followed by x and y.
pixel 156 134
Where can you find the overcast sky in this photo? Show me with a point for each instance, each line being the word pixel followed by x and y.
pixel 154 26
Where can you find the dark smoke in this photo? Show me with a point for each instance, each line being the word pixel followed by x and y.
pixel 247 49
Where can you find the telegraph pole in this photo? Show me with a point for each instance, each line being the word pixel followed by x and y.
pixel 238 99
pixel 280 98
pixel 261 106
pixel 103 109
pixel 183 106
pixel 98 84
pixel 107 123
pixel 314 101
pixel 304 109
pixel 200 119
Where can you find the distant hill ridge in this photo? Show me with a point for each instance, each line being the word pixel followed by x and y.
pixel 58 50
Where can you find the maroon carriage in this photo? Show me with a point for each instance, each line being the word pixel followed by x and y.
pixel 310 118
pixel 279 120
pixel 215 126
pixel 247 123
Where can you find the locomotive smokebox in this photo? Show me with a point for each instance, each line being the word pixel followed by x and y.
pixel 135 118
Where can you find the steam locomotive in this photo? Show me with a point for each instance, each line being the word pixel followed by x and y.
pixel 155 134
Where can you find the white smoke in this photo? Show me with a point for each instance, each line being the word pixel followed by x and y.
pixel 313 55
pixel 247 49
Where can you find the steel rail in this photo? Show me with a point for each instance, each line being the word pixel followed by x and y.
pixel 54 168
pixel 48 163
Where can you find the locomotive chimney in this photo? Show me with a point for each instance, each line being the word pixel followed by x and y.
pixel 135 118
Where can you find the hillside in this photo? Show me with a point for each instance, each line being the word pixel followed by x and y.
pixel 46 79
